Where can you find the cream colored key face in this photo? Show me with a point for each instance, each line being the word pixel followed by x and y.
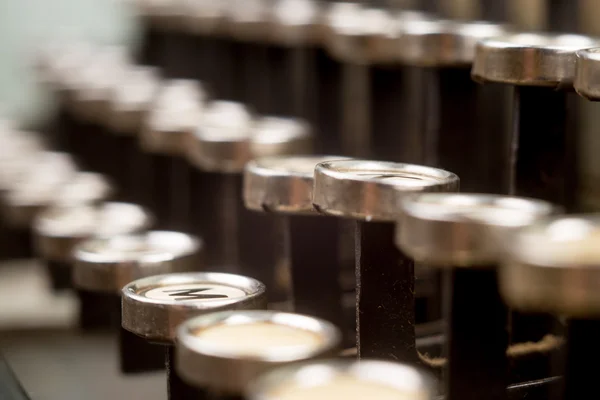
pixel 186 293
pixel 347 388
pixel 344 379
pixel 256 339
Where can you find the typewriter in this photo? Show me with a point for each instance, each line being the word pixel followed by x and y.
pixel 303 199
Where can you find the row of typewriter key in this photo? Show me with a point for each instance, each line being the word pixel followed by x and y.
pixel 249 198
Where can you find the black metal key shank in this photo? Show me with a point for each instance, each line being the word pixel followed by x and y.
pixel 281 187
pixel 552 268
pixel 154 307
pixel 369 192
pixel 103 266
pixel 462 234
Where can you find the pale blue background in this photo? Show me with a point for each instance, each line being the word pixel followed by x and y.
pixel 24 22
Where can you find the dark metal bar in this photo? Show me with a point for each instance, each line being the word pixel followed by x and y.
pixel 543 146
pixel 123 170
pixel 98 311
pixel 493 10
pixel 137 355
pixel 177 389
pixel 221 69
pixel 214 214
pixel 255 79
pixel 541 389
pixel 385 295
pixel 20 243
pixel 563 16
pixel 282 65
pixel 62 129
pixel 396 107
pixel 150 48
pixel 160 189
pixel 59 274
pixel 179 59
pixel 477 336
pixel 464 138
pixel 315 267
pixel 328 104
pixel 169 191
pixel 582 349
pixel 258 245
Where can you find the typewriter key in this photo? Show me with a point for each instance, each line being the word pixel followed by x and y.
pixel 129 105
pixel 552 267
pixel 543 140
pixel 17 155
pixel 89 104
pixel 463 123
pixel 103 266
pixel 175 114
pixel 341 379
pixel 463 234
pixel 58 229
pixel 34 188
pixel 218 151
pixel 282 187
pixel 154 307
pixel 220 354
pixel 227 139
pixel 369 192
pixel 544 151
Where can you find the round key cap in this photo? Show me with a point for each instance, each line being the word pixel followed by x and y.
pixel 225 141
pixel 464 234
pixel 104 265
pixel 340 379
pixel 543 138
pixel 154 307
pixel 58 229
pixel 175 114
pixel 129 104
pixel 464 123
pixel 282 187
pixel 222 353
pixel 369 192
pixel 34 188
pixel 83 188
pixel 552 267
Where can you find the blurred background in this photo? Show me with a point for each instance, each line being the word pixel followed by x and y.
pixel 36 336
pixel 25 23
